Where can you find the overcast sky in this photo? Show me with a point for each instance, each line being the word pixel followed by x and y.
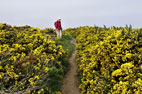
pixel 74 13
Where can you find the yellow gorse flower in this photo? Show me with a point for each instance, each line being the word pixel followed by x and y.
pixel 109 59
pixel 26 55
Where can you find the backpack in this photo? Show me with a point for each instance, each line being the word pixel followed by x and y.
pixel 55 24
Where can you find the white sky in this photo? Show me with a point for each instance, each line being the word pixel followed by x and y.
pixel 74 13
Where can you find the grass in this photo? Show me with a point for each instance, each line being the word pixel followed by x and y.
pixel 67 45
pixel 58 74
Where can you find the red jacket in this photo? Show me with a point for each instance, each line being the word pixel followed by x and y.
pixel 58 25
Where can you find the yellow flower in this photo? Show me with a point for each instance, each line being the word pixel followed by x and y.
pixel 36 77
pixel 128 55
pixel 46 69
pixel 117 72
pixel 0 67
pixel 1 75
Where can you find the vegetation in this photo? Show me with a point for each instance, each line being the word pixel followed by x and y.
pixel 65 42
pixel 32 60
pixel 109 59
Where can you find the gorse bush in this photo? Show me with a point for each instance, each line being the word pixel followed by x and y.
pixel 109 60
pixel 34 61
pixel 30 60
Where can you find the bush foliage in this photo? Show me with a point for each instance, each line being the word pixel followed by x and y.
pixel 30 60
pixel 109 59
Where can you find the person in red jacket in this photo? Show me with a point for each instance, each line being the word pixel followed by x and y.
pixel 58 28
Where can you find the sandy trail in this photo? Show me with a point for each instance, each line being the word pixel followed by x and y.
pixel 71 82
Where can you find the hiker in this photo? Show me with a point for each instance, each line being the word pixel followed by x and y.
pixel 58 28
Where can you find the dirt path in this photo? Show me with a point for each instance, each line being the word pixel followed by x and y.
pixel 70 82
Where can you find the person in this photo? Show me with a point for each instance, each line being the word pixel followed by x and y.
pixel 58 27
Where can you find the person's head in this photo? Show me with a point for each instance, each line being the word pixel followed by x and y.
pixel 59 19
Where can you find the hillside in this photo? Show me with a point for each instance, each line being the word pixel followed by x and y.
pixel 102 61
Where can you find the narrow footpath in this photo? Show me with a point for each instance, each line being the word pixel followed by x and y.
pixel 71 82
